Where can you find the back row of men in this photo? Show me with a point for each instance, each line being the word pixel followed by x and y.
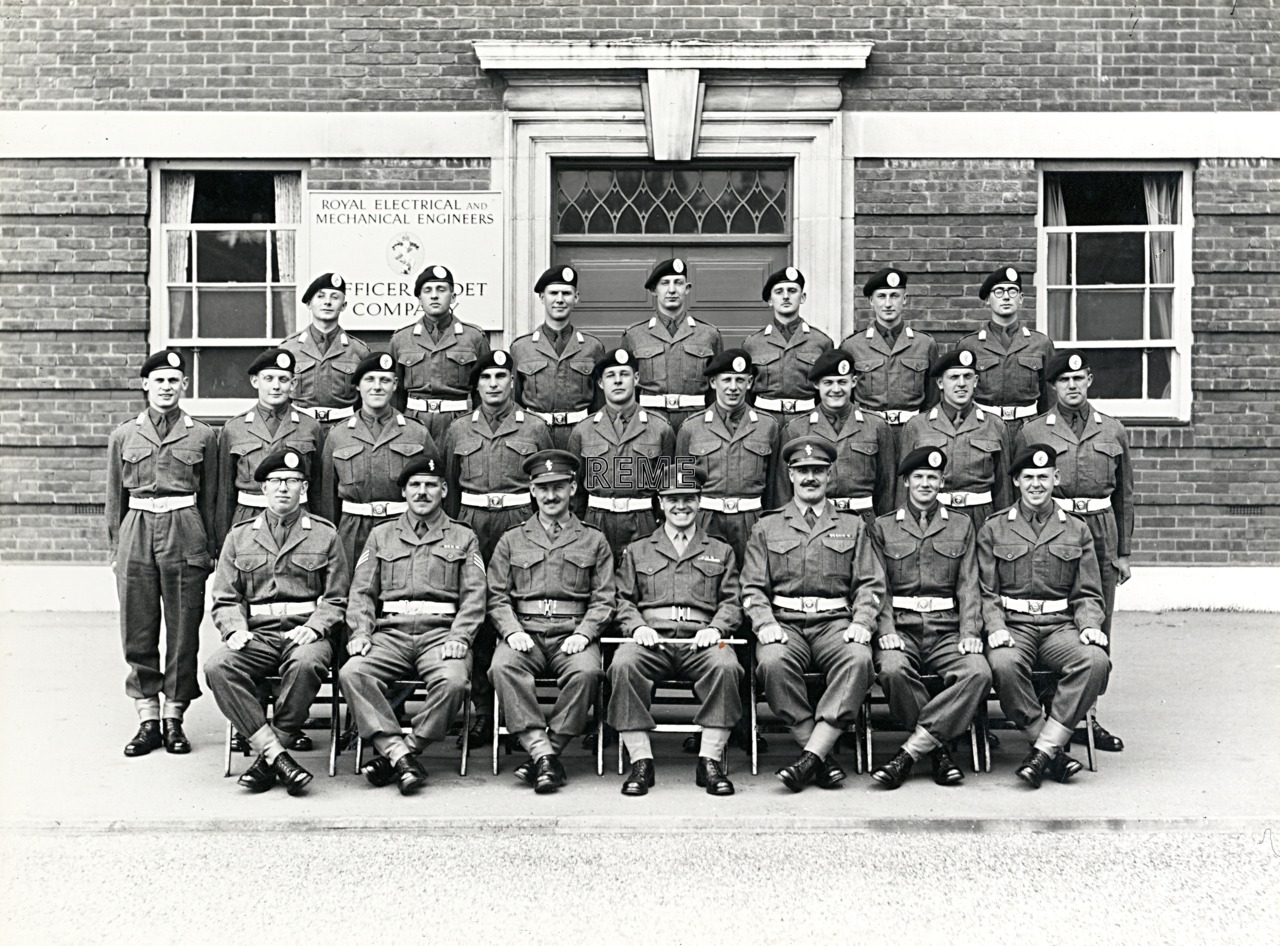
pixel 176 488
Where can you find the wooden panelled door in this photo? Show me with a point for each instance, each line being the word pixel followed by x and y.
pixel 731 223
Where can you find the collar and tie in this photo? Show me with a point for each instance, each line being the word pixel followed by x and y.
pixel 810 518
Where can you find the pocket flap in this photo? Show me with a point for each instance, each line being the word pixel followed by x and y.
pixel 135 454
pixel 866 447
pixel 394 552
pixel 949 549
pixel 1034 362
pixel 708 568
pixel 310 561
pixel 582 367
pixel 783 546
pixel 189 457
pixel 583 558
pixel 838 545
pixel 461 356
pixel 1068 553
pixel 868 364
pixel 530 367
pixel 526 559
pixel 698 349
pixel 346 453
pixel 986 446
pixel 406 448
pixel 448 552
pixel 522 447
pixel 1012 550
pixel 915 364
pixel 248 561
pixel 1109 447
pixel 759 447
pixel 410 358
pixel 651 567
pixel 898 550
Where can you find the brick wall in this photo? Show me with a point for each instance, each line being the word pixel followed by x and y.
pixel 329 55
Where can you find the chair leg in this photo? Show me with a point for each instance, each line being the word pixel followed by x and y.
pixel 335 721
pixel 973 745
pixel 600 731
pixel 867 763
pixel 226 760
pixel 466 734
pixel 621 750
pixel 1090 748
pixel 496 728
pixel 359 755
pixel 755 724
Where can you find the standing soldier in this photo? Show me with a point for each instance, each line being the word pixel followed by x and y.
pixel 417 600
pixel 672 349
pixel 862 476
pixel 677 584
pixel 325 356
pixel 812 585
pixel 785 350
pixel 162 469
pixel 1095 481
pixel 278 598
pixel 975 442
pixel 931 622
pixel 622 447
pixel 1011 358
pixel 891 358
pixel 551 594
pixel 555 362
pixel 1042 606
pixel 436 355
pixel 268 426
pixel 735 447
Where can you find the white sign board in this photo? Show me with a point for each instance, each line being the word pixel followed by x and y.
pixel 379 241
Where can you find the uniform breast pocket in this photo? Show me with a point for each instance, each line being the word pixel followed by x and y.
pixel 252 565
pixel 652 580
pixel 518 451
pixel 1031 362
pixel 445 568
pixel 531 373
pixel 1013 566
pixel 911 374
pixel 1063 560
pixel 137 465
pixel 837 556
pixel 868 365
pixel 651 366
pixel 416 368
pixel 395 569
pixel 186 467
pixel 312 565
pixel 984 454
pixel 861 457
pixel 580 373
pixel 457 365
pixel 901 561
pixel 948 558
pixel 987 361
pixel 524 572
pixel 782 553
pixel 346 363
pixel 405 449
pixel 346 462
pixel 471 461
pixel 707 587
pixel 575 572
pixel 756 453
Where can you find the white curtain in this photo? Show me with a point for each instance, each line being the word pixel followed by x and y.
pixel 288 210
pixel 178 194
pixel 1058 264
pixel 1163 194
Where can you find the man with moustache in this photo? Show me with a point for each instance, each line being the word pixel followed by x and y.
pixel 672 349
pixel 555 361
pixel 785 350
pixel 975 442
pixel 812 585
pixel 551 595
pixel 325 357
pixel 417 602
pixel 436 355
pixel 162 474
pixel 931 622
pixel 1042 606
pixel 623 449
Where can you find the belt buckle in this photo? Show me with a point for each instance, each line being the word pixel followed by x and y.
pixel 619 504
pixel 559 417
pixel 789 405
pixel 672 401
pixel 548 607
pixel 679 613
pixel 892 417
pixel 959 499
pixel 495 500
pixel 841 504
pixel 924 604
pixel 809 605
pixel 1035 607
pixel 731 504
pixel 1008 413
pixel 1079 505
pixel 379 509
pixel 322 413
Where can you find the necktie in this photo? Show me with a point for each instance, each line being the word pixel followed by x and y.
pixel 163 425
pixel 1078 423
pixel 279 532
pixel 554 530
pixel 811 518
pixel 924 521
pixel 681 543
pixel 273 423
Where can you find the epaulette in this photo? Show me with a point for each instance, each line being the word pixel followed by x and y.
pixel 772 512
pixel 322 521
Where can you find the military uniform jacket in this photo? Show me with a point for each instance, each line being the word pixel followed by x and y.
pixel 480 460
pixel 576 565
pixel 444 566
pixel 551 382
pixel 939 562
pixel 252 569
pixel 737 464
pixel 140 464
pixel 1013 376
pixel 1058 563
pixel 325 380
pixel 362 467
pixel 893 379
pixel 977 451
pixel 652 575
pixel 783 364
pixel 865 457
pixel 440 369
pixel 1091 466
pixel 672 364
pixel 246 442
pixel 626 464
pixel 836 560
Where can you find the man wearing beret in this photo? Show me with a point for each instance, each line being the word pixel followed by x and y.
pixel 325 357
pixel 278 596
pixel 975 441
pixel 785 350
pixel 891 358
pixel 555 361
pixel 734 445
pixel 862 475
pixel 677 598
pixel 1095 481
pixel 551 595
pixel 268 426
pixel 1042 606
pixel 812 586
pixel 436 355
pixel 417 602
pixel 931 621
pixel 162 474
pixel 364 455
pixel 623 449
pixel 1010 357
pixel 672 349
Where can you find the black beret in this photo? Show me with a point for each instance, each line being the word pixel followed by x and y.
pixel 681 477
pixel 324 281
pixel 961 358
pixel 1064 361
pixel 786 274
pixel 557 275
pixel 837 362
pixel 668 267
pixel 374 361
pixel 498 358
pixel 809 451
pixel 929 458
pixel 166 359
pixel 737 360
pixel 888 278
pixel 1034 456
pixel 1005 274
pixel 427 463
pixel 432 274
pixel 286 459
pixel 279 358
pixel 551 466
pixel 614 358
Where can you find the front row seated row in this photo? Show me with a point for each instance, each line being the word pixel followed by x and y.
pixel 818 586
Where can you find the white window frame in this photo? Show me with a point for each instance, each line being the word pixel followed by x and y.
pixel 159 334
pixel 1178 406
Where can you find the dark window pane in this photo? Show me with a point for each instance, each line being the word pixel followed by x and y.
pixel 1160 373
pixel 180 313
pixel 234 197
pixel 1103 258
pixel 1102 198
pixel 233 313
pixel 1161 313
pixel 223 372
pixel 284 314
pixel 1117 373
pixel 1102 314
pixel 231 256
